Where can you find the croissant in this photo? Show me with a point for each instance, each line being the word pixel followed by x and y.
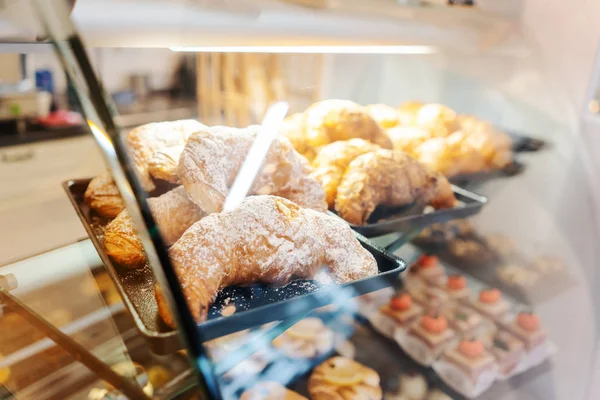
pixel 293 128
pixel 173 211
pixel 270 391
pixel 332 120
pixel 442 120
pixel 332 161
pixel 267 239
pixel 341 378
pixel 102 196
pixel 144 141
pixel 212 158
pixel 389 178
pixel 386 116
pixel 163 164
pixel 407 138
pixel 408 112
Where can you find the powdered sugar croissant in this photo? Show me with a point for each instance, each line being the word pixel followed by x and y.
pixel 388 178
pixel 267 239
pixel 173 211
pixel 212 158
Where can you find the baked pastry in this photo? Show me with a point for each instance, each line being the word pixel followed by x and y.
pixel 386 116
pixel 517 276
pixel 429 269
pixel 407 138
pixel 267 239
pixel 491 304
pixel 340 378
pixel 527 328
pixel 426 338
pixel 468 368
pixel 163 164
pixel 456 287
pixel 442 120
pixel 450 155
pixel 398 313
pixel 270 391
pixel 413 386
pixel 293 128
pixel 309 338
pixel 144 141
pixel 332 120
pixel 508 351
pixel 102 195
pixel 465 321
pixel 388 178
pixel 173 212
pixel 212 158
pixel 331 163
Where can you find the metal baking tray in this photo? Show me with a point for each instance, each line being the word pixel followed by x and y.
pixel 255 305
pixel 512 169
pixel 525 144
pixel 385 220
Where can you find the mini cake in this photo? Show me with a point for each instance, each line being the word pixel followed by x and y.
pixel 429 269
pixel 491 304
pixel 527 328
pixel 308 338
pixel 426 338
pixel 270 391
pixel 508 351
pixel 465 321
pixel 456 287
pixel 467 367
pixel 398 313
pixel 342 378
pixel 431 297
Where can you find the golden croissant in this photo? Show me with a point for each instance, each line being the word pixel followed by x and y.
pixel 388 178
pixel 341 378
pixel 213 157
pixel 267 239
pixel 173 212
pixel 332 120
pixel 102 196
pixel 144 141
pixel 293 128
pixel 331 163
pixel 386 116
pixel 163 164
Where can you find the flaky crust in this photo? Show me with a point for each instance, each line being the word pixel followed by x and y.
pixel 389 178
pixel 102 195
pixel 441 119
pixel 293 128
pixel 144 141
pixel 267 239
pixel 333 159
pixel 322 384
pixel 386 116
pixel 173 211
pixel 163 164
pixel 332 120
pixel 408 138
pixel 213 157
pixel 270 391
pixel 309 338
pixel 408 112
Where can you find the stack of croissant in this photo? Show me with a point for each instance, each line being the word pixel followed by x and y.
pixel 433 134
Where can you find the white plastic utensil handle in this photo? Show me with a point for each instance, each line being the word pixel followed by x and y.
pixel 258 151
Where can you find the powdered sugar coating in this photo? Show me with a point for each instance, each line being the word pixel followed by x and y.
pixel 267 239
pixel 212 158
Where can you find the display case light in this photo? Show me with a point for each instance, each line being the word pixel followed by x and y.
pixel 311 49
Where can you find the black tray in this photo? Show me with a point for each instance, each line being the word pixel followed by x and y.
pixel 401 220
pixel 524 144
pixel 512 169
pixel 255 305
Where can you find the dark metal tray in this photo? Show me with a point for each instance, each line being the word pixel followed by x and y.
pixel 400 220
pixel 255 305
pixel 525 144
pixel 512 169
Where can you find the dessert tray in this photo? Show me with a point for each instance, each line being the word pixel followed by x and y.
pixel 254 305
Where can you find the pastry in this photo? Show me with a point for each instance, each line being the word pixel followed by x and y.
pixel 103 196
pixel 173 212
pixel 502 245
pixel 442 120
pixel 514 275
pixel 402 310
pixel 144 141
pixel 450 155
pixel 527 328
pixel 340 378
pixel 547 265
pixel 491 304
pixel 331 163
pixel 163 164
pixel 213 157
pixel 308 338
pixel 413 386
pixel 508 351
pixel 431 297
pixel 267 239
pixel 293 128
pixel 467 367
pixel 408 112
pixel 429 269
pixel 465 321
pixel 270 391
pixel 494 145
pixel 384 115
pixel 332 120
pixel 407 138
pixel 388 178
pixel 426 338
pixel 456 287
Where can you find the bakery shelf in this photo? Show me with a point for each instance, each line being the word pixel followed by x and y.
pixel 255 305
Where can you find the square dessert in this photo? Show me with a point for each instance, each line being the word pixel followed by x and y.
pixel 491 304
pixel 463 320
pixel 402 309
pixel 433 330
pixel 456 287
pixel 507 349
pixel 429 269
pixel 527 328
pixel 431 297
pixel 471 357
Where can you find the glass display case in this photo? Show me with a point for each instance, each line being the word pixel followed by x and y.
pixel 333 200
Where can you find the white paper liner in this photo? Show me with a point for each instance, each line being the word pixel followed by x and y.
pixel 458 380
pixel 520 367
pixel 539 354
pixel 415 348
pixel 383 324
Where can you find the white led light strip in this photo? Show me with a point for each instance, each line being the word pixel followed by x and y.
pixel 310 49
